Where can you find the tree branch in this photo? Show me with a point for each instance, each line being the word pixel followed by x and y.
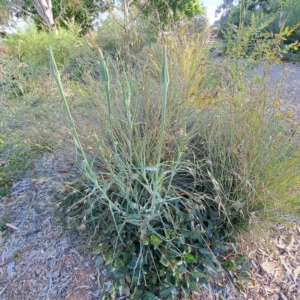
pixel 23 10
pixel 111 12
pixel 60 12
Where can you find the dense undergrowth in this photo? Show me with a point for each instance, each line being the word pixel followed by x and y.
pixel 176 153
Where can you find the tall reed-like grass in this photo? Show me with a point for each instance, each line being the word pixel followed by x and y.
pixel 166 182
pixel 151 180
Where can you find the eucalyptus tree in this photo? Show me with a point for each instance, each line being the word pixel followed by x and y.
pixel 54 13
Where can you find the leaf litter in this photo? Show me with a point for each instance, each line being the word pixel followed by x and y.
pixel 37 261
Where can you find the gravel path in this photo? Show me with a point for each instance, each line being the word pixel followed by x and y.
pixel 286 80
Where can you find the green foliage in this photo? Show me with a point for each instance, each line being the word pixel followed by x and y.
pixel 111 39
pixel 271 19
pixel 253 41
pixel 79 12
pixel 172 10
pixel 23 44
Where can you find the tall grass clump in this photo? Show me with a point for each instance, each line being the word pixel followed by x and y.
pixel 166 177
pixel 255 153
pixel 255 150
pixel 150 193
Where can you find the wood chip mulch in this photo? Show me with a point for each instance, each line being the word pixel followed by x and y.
pixel 37 261
pixel 275 270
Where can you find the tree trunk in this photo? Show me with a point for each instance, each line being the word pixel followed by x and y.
pixel 44 8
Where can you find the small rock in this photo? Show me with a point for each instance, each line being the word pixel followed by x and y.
pixel 56 274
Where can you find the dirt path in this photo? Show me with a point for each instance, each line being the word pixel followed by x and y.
pixel 38 262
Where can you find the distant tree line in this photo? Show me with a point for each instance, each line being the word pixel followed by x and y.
pixel 55 13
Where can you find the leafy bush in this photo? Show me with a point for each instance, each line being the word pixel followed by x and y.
pixel 112 40
pixel 261 23
pixel 32 46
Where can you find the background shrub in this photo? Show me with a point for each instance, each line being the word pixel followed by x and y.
pixel 32 46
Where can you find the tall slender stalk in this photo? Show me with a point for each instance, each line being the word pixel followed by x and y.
pixel 55 73
pixel 106 81
pixel 164 83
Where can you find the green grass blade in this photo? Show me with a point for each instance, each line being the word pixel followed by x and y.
pixel 164 82
pixel 106 82
pixel 56 75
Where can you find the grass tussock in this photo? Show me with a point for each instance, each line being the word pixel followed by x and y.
pixel 170 181
pixel 176 152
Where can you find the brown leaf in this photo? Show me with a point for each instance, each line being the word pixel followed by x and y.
pixel 296 273
pixel 12 226
pixel 290 246
pixel 270 266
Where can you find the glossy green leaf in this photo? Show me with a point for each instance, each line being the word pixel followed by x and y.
pixel 189 258
pixel 193 286
pixel 154 278
pixel 197 275
pixel 134 263
pixel 210 266
pixel 101 280
pixel 196 232
pixel 204 251
pixel 164 261
pixel 104 296
pixel 165 292
pixel 229 265
pixel 149 296
pixel 154 240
